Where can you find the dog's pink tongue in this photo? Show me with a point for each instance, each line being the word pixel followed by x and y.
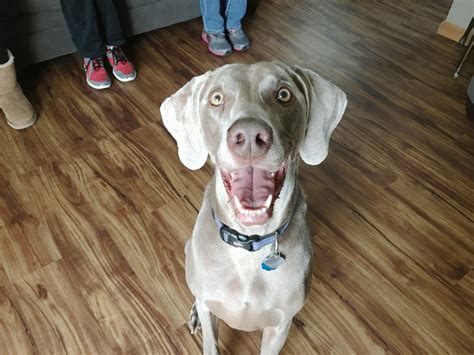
pixel 252 186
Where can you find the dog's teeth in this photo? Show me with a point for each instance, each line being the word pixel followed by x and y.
pixel 268 202
pixel 251 212
pixel 237 203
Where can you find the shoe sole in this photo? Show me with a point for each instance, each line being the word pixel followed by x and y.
pixel 244 49
pixel 124 80
pixel 20 127
pixel 217 54
pixel 97 87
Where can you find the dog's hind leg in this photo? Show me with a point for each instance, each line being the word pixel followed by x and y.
pixel 209 325
pixel 274 338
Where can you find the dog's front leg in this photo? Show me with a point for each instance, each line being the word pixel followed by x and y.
pixel 209 325
pixel 274 338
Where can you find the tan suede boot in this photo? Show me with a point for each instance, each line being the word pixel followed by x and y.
pixel 15 105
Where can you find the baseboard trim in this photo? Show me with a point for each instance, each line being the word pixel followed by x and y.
pixel 450 30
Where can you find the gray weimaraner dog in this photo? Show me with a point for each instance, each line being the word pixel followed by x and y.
pixel 249 259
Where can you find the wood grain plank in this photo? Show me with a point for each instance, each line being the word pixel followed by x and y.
pixel 95 207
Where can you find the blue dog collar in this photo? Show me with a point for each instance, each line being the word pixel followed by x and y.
pixel 247 242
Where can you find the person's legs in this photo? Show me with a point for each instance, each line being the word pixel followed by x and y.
pixel 234 13
pixel 3 38
pixel 211 16
pixel 109 17
pixel 213 33
pixel 3 54
pixel 84 26
pixel 3 43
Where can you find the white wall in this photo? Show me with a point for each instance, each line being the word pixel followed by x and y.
pixel 461 12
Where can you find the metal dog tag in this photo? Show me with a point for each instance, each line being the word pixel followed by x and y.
pixel 272 262
pixel 275 259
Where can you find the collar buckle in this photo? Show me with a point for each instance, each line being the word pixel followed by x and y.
pixel 234 238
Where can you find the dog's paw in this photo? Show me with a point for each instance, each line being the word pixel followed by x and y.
pixel 194 323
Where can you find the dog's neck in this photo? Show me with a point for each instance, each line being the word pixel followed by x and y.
pixel 283 207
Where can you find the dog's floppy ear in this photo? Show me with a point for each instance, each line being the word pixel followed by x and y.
pixel 325 104
pixel 180 115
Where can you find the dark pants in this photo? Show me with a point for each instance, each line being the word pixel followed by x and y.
pixel 93 24
pixel 3 38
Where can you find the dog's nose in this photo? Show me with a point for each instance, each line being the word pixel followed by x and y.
pixel 249 138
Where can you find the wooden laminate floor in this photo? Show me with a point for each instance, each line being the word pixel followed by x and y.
pixel 95 206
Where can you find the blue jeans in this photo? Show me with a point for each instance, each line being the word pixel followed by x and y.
pixel 217 18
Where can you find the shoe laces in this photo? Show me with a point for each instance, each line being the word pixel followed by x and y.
pixel 97 63
pixel 118 55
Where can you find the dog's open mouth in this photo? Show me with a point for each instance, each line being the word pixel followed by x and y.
pixel 253 192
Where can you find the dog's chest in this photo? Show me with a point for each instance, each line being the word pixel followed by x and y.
pixel 237 290
pixel 250 303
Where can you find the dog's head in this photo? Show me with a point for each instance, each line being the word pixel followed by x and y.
pixel 253 121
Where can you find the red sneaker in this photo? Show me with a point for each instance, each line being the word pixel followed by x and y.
pixel 96 74
pixel 122 69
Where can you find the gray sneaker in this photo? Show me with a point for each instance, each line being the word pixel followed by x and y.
pixel 239 40
pixel 217 43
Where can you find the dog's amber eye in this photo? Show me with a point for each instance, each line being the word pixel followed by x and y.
pixel 216 98
pixel 284 95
